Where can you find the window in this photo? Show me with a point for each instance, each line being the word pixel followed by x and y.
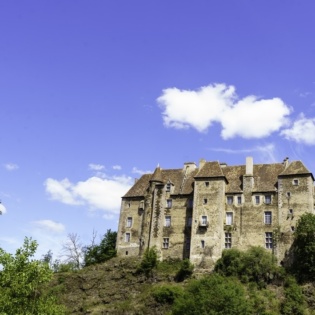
pixel 268 199
pixel 257 200
pixel 128 204
pixel 167 220
pixel 129 222
pixel 205 201
pixel 166 241
pixel 204 220
pixel 228 240
pixel 295 182
pixel 239 200
pixel 229 218
pixel 189 221
pixel 268 217
pixel 168 187
pixel 229 200
pixel 292 228
pixel 288 194
pixel 127 237
pixel 207 184
pixel 202 244
pixel 169 203
pixel 291 212
pixel 268 239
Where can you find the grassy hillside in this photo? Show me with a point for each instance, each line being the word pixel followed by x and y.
pixel 115 287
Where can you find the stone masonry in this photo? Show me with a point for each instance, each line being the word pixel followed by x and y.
pixel 197 212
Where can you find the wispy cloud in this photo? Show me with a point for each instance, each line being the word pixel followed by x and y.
pixel 250 117
pixel 135 170
pixel 117 167
pixel 96 167
pixel 95 192
pixel 50 225
pixel 11 167
pixel 267 151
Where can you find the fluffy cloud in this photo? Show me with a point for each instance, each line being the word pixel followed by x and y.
pixel 62 191
pixel 3 209
pixel 303 130
pixel 50 225
pixel 249 117
pixel 97 193
pixel 11 166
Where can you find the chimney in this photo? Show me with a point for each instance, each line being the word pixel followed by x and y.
pixel 249 166
pixel 202 162
pixel 286 162
pixel 189 167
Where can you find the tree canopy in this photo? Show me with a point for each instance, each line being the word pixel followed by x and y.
pixel 22 282
pixel 304 248
pixel 106 250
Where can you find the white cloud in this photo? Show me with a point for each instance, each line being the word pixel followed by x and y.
pixel 62 191
pixel 50 225
pixel 11 166
pixel 97 193
pixel 3 209
pixel 266 152
pixel 96 167
pixel 135 170
pixel 117 167
pixel 249 117
pixel 303 130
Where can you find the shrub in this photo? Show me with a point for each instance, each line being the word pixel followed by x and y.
pixel 212 295
pixel 254 265
pixel 167 294
pixel 149 261
pixel 185 271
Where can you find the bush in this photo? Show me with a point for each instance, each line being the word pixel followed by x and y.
pixel 254 265
pixel 167 294
pixel 149 261
pixel 211 296
pixel 185 271
pixel 294 302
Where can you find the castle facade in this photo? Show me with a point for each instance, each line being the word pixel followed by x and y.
pixel 197 212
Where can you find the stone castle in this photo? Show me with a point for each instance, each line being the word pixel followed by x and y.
pixel 197 212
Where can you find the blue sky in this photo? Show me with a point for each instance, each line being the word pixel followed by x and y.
pixel 95 93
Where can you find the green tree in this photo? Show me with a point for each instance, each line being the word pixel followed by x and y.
pixel 149 261
pixel 213 295
pixel 106 250
pixel 254 265
pixel 22 281
pixel 294 302
pixel 304 248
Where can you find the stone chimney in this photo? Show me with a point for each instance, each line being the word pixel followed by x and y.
pixel 202 162
pixel 249 166
pixel 189 167
pixel 286 162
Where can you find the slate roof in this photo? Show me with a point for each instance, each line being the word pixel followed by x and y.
pixel 265 177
